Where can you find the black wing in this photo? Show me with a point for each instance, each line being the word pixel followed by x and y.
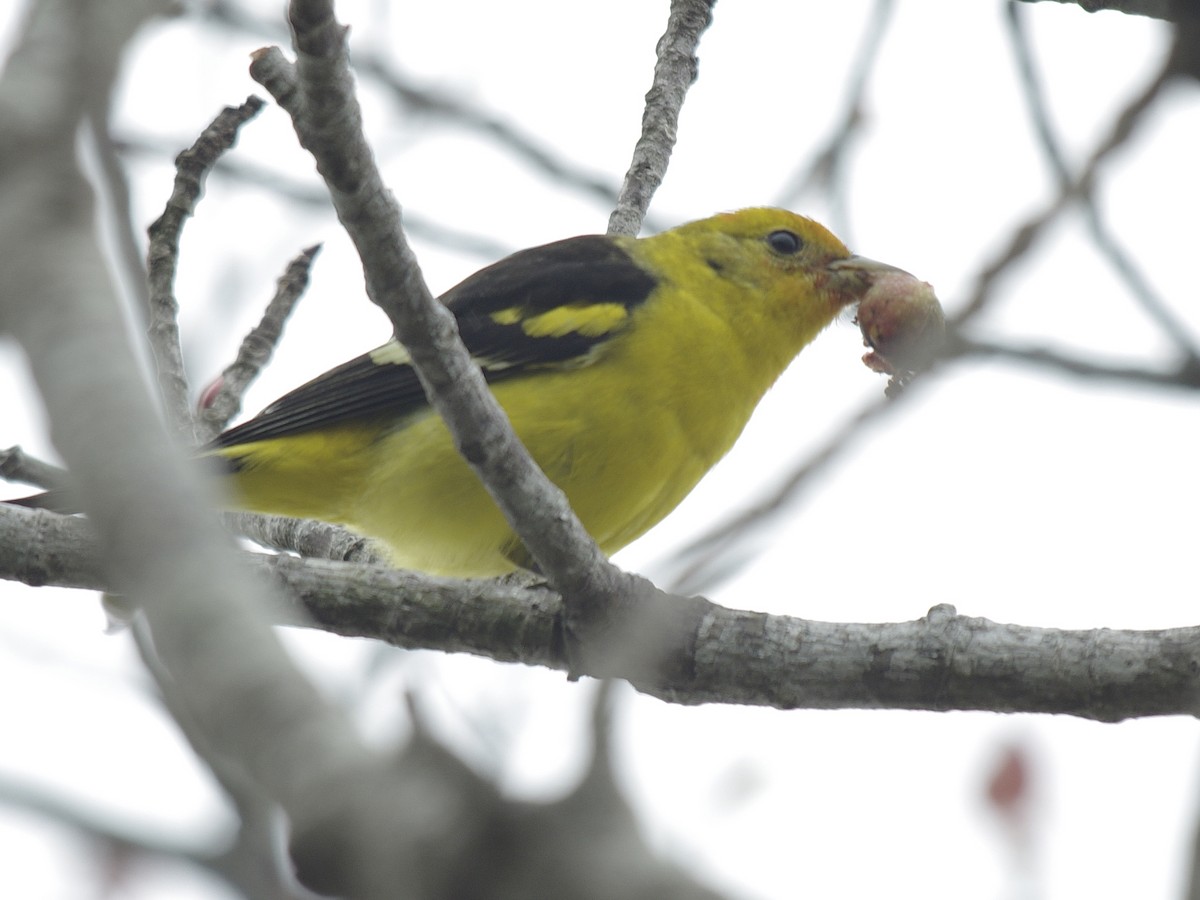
pixel 494 308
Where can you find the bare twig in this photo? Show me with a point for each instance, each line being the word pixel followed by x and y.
pixel 308 537
pixel 674 73
pixel 192 167
pixel 256 349
pixel 305 537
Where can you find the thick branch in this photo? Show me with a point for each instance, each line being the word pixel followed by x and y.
pixel 158 547
pixel 940 662
pixel 716 655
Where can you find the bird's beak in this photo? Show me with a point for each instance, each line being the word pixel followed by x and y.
pixel 851 278
pixel 863 264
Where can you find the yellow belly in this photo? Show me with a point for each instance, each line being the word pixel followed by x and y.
pixel 621 474
pixel 623 462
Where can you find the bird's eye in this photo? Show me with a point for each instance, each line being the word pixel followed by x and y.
pixel 785 242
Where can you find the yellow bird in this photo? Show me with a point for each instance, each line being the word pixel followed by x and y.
pixel 627 366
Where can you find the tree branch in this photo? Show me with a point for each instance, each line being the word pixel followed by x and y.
pixel 308 537
pixel 17 465
pixel 192 167
pixel 256 349
pixel 940 662
pixel 674 73
pixel 130 255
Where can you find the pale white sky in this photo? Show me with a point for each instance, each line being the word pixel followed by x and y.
pixel 1014 494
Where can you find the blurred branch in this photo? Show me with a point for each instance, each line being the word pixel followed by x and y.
pixel 99 827
pixel 119 199
pixel 252 868
pixel 507 136
pixel 721 551
pixel 1185 53
pixel 1106 242
pixel 1192 891
pixel 718 655
pixel 192 167
pixel 1185 375
pixel 154 545
pixel 1155 9
pixel 250 862
pixel 442 106
pixel 1025 237
pixel 317 196
pixel 674 73
pixel 827 169
pixel 17 465
pixel 255 351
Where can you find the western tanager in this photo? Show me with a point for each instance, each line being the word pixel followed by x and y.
pixel 627 366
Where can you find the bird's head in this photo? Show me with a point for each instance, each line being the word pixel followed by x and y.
pixel 794 272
